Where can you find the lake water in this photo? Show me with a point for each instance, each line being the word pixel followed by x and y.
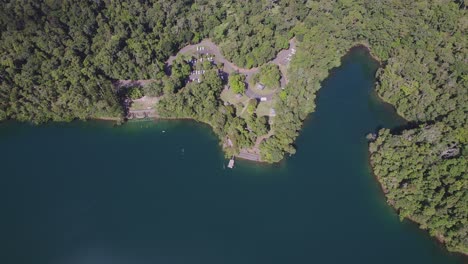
pixel 92 193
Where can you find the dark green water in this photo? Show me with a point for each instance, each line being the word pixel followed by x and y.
pixel 89 193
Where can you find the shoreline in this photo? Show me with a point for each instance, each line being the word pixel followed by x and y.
pixel 106 118
pixel 358 45
pixel 383 190
pixel 366 46
pixel 379 61
pixel 438 238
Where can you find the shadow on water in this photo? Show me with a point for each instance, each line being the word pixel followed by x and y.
pixel 85 193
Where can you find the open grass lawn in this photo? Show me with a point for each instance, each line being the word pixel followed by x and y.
pixel 144 103
pixel 239 108
pixel 265 91
pixel 228 96
pixel 263 108
pixel 137 106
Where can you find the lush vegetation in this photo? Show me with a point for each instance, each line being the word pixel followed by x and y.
pixel 424 174
pixel 269 76
pixel 201 102
pixel 237 83
pixel 253 32
pixel 135 93
pixel 59 60
pixel 423 49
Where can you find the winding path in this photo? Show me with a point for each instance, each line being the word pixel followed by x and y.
pixel 282 60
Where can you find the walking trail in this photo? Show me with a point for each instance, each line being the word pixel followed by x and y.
pixel 209 47
pixel 282 59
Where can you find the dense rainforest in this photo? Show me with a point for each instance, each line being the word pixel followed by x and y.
pixel 59 61
pixel 59 58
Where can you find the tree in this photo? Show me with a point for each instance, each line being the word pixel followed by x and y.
pixel 135 93
pixel 269 75
pixel 237 84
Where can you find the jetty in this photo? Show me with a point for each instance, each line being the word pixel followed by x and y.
pixel 231 163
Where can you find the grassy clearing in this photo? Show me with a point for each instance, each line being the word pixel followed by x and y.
pixel 228 96
pixel 144 103
pixel 263 108
pixel 265 91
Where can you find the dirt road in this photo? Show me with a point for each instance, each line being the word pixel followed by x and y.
pixel 209 47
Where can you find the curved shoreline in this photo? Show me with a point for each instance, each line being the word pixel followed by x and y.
pixel 380 64
pixel 213 47
pixel 437 238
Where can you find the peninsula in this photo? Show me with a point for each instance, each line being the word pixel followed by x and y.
pixel 247 99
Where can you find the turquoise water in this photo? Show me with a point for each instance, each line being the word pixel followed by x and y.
pixel 89 192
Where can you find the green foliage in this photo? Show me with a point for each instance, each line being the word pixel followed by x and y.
pixel 422 183
pixel 253 32
pixel 59 58
pixel 422 47
pixel 237 83
pixel 260 126
pixel 252 106
pixel 283 95
pixel 180 71
pixel 269 75
pixel 199 101
pixel 155 88
pixel 135 93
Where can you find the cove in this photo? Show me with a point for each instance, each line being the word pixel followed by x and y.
pixel 89 192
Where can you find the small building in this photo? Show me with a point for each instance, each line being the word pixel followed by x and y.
pixel 263 99
pixel 260 86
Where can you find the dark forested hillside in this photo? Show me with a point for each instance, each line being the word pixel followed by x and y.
pixel 423 50
pixel 252 33
pixel 424 174
pixel 59 60
pixel 422 46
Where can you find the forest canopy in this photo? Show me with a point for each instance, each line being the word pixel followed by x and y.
pixel 60 60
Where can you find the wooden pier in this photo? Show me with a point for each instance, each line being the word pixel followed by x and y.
pixel 231 163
